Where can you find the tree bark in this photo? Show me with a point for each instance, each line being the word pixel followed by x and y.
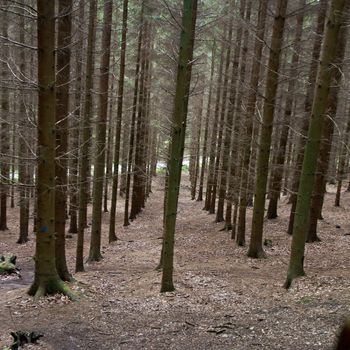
pixel 307 109
pixel 181 98
pixel 325 72
pixel 277 175
pixel 112 234
pixel 46 278
pixel 5 131
pixel 255 247
pixel 85 137
pixel 249 115
pixel 62 112
pixel 99 164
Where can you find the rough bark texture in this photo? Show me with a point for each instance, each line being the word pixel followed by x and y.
pixel 326 141
pixel 5 130
pixel 255 246
pixel 206 128
pixel 133 119
pixel 62 111
pixel 23 173
pixel 181 98
pixel 307 109
pixel 112 235
pixel 74 165
pixel 85 138
pixel 99 165
pixel 220 171
pixel 46 278
pixel 276 177
pixel 248 131
pixel 307 178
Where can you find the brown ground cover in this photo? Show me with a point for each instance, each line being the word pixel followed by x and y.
pixel 223 299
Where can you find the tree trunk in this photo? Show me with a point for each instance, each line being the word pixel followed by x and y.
pixel 85 137
pixel 206 127
pixel 326 141
pixel 223 143
pixel 112 234
pixel 73 203
pixel 236 162
pixel 181 98
pixel 133 118
pixel 23 173
pixel 99 164
pixel 46 278
pixel 214 133
pixel 255 246
pixel 343 154
pixel 307 109
pixel 249 115
pixel 277 175
pixel 62 112
pixel 5 131
pixel 307 178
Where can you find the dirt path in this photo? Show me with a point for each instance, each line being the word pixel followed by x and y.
pixel 223 300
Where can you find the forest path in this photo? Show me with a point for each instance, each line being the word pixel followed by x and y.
pixel 223 299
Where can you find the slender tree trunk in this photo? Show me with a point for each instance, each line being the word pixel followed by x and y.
pixel 181 98
pixel 249 115
pixel 255 246
pixel 307 178
pixel 307 109
pixel 343 157
pixel 277 175
pixel 326 141
pixel 133 118
pixel 5 131
pixel 73 203
pixel 206 127
pixel 195 148
pixel 236 161
pixel 85 137
pixel 46 278
pixel 109 146
pixel 138 173
pixel 221 166
pixel 62 111
pixel 99 164
pixel 112 234
pixel 22 152
pixel 214 132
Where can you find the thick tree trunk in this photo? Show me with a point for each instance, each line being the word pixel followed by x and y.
pixel 255 246
pixel 307 178
pixel 46 278
pixel 181 98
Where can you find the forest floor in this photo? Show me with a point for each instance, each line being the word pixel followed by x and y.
pixel 223 299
